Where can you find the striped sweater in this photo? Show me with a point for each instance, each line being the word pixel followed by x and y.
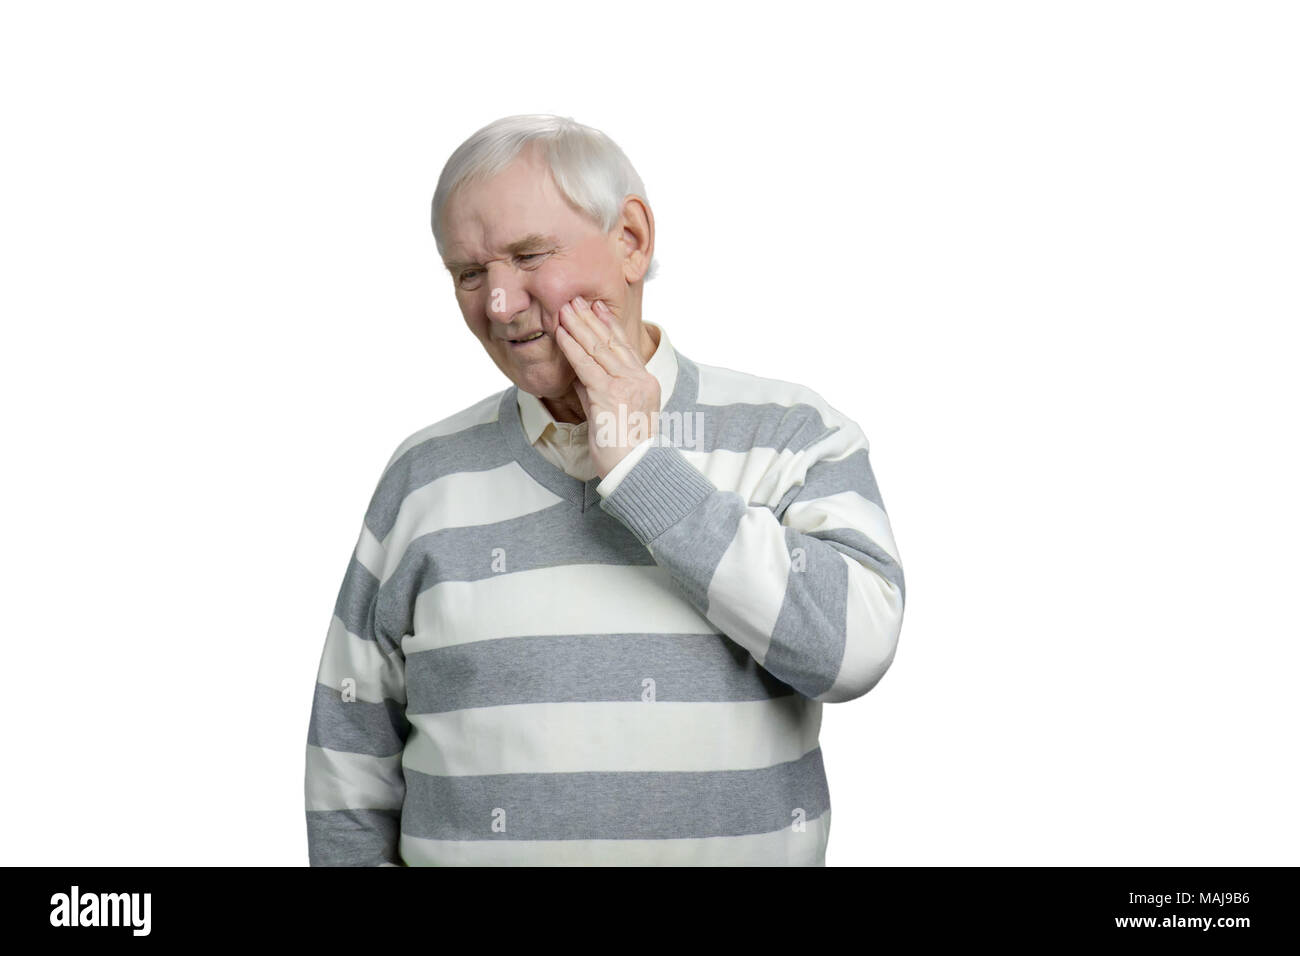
pixel 523 670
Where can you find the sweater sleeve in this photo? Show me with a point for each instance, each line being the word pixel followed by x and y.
pixel 812 586
pixel 354 780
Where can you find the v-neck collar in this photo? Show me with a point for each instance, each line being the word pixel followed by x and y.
pixel 582 494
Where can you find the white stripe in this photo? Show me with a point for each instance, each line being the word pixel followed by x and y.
pixel 577 599
pixel 784 847
pixel 749 584
pixel 377 675
pixel 337 780
pixel 464 499
pixel 873 620
pixel 760 476
pixel 573 737
pixel 845 509
pixel 370 553
pixel 724 386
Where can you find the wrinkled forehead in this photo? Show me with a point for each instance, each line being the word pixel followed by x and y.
pixel 521 199
pixel 482 218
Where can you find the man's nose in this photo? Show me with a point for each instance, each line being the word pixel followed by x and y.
pixel 506 294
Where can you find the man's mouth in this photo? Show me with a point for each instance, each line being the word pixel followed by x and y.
pixel 531 338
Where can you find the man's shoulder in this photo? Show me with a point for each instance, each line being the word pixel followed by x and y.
pixel 460 427
pixel 464 441
pixel 789 412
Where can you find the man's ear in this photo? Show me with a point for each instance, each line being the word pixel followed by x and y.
pixel 637 226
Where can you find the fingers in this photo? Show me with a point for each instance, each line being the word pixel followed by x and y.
pixel 589 371
pixel 592 326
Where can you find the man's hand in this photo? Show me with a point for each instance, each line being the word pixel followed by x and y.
pixel 620 396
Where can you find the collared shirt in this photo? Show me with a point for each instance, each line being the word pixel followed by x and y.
pixel 565 443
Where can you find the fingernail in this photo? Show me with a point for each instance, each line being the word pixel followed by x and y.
pixel 581 302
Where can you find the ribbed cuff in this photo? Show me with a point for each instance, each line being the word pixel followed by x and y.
pixel 615 477
pixel 661 489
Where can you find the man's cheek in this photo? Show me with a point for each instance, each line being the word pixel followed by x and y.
pixel 552 301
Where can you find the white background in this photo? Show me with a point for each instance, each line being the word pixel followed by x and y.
pixel 1044 253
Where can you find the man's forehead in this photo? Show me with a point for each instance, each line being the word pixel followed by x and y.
pixel 516 209
pixel 521 243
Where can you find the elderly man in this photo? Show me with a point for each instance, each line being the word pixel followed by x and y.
pixel 564 644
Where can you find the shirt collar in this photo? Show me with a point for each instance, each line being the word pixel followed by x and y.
pixel 662 365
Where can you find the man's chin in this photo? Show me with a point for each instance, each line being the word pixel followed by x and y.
pixel 548 378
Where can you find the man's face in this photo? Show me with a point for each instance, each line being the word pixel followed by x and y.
pixel 517 252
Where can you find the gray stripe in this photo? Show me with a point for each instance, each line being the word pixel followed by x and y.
pixel 742 426
pixel 352 837
pixel 586 667
pixel 851 473
pixel 476 448
pixel 661 490
pixel 865 551
pixel 808 638
pixel 552 537
pixel 737 426
pixel 356 600
pixel 372 612
pixel 615 805
pixel 691 557
pixel 357 726
pixel 686 391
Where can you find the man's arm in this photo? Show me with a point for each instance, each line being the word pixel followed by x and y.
pixel 812 588
pixel 354 780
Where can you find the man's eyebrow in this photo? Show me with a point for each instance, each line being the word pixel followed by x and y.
pixel 529 243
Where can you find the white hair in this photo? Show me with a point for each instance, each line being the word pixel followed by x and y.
pixel 589 168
